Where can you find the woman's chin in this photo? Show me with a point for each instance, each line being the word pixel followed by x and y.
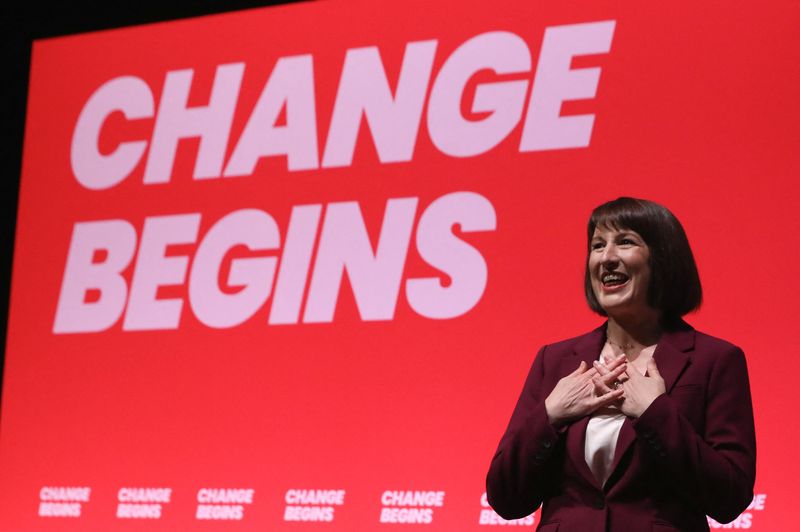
pixel 630 310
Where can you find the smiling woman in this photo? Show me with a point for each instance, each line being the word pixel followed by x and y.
pixel 628 225
pixel 618 269
pixel 643 423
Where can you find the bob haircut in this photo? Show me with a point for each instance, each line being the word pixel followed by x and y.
pixel 675 287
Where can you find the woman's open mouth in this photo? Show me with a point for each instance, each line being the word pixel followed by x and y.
pixel 613 280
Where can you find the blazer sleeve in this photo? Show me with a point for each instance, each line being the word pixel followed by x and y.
pixel 523 465
pixel 714 471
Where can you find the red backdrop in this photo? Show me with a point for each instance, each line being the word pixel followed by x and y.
pixel 145 349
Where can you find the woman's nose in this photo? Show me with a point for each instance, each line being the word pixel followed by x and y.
pixel 610 255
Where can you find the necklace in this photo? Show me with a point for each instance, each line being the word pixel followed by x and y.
pixel 622 347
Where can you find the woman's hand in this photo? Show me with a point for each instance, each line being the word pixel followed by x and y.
pixel 575 395
pixel 607 378
pixel 641 390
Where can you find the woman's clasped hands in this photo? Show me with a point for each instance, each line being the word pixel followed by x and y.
pixel 588 389
pixel 585 390
pixel 639 390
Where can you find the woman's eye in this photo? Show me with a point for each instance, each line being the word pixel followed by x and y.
pixel 597 245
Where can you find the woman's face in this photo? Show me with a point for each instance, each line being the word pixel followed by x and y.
pixel 619 268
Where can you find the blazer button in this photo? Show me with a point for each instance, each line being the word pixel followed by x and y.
pixel 546 444
pixel 599 502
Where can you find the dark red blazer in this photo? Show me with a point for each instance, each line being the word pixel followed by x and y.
pixel 692 453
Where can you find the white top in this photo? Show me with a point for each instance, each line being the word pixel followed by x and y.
pixel 602 433
pixel 601 441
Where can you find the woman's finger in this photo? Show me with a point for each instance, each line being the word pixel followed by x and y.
pixel 607 399
pixel 602 369
pixel 600 387
pixel 608 364
pixel 613 362
pixel 612 376
pixel 608 381
pixel 580 369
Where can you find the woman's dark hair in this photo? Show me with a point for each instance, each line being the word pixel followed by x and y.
pixel 675 287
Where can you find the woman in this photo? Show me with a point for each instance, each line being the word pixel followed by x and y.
pixel 644 423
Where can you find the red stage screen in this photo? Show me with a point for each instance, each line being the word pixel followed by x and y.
pixel 287 268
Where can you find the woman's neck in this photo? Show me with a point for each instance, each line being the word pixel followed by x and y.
pixel 637 332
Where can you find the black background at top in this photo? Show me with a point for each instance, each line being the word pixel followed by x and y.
pixel 20 24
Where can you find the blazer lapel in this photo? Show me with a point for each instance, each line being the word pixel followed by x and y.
pixel 576 436
pixel 670 354
pixel 625 439
pixel 671 359
pixel 586 349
